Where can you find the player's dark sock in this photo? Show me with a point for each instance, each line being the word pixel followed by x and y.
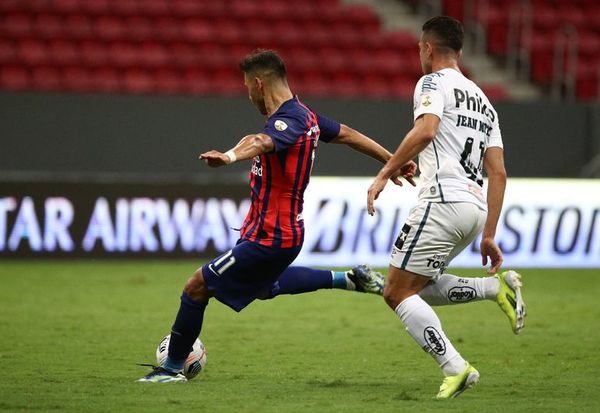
pixel 184 332
pixel 298 280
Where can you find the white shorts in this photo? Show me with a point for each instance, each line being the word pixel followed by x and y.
pixel 433 234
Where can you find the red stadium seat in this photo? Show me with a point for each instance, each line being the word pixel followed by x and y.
pixel 314 84
pixel 8 53
pixel 93 53
pixel 63 53
pixel 495 92
pixel 169 81
pixel 197 81
pixel 332 60
pixel 125 8
pixel 124 54
pixel 78 26
pixel 108 28
pixel 183 55
pixel 227 82
pixel 361 17
pixel 46 78
pixel 16 25
pixel 8 6
pixel 14 78
pixel 95 7
pixel 107 79
pixel 139 28
pixel 197 30
pixel 64 6
pixel 401 41
pixel 375 86
pixel 32 52
pixel 403 88
pixel 138 81
pixel 153 54
pixel 168 29
pixel 346 85
pixel 541 57
pixel 78 79
pixel 49 26
pixel 155 7
pixel 388 62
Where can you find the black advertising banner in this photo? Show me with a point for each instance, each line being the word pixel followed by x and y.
pixel 98 219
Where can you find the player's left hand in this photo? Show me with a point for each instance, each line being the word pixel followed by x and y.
pixel 373 193
pixel 408 172
pixel 490 249
pixel 214 159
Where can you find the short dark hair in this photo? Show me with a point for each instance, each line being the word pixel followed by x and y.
pixel 267 62
pixel 448 32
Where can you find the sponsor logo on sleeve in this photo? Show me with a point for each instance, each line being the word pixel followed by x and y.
pixel 426 101
pixel 280 125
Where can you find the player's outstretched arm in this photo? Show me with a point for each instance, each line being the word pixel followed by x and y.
pixel 247 148
pixel 493 162
pixel 422 133
pixel 361 143
pixel 368 146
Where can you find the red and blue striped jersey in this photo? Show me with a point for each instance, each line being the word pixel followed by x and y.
pixel 278 179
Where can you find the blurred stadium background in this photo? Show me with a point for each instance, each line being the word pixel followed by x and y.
pixel 105 105
pixel 104 108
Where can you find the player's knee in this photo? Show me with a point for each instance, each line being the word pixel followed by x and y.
pixel 391 297
pixel 195 287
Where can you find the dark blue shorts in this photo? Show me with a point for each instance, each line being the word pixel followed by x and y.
pixel 246 272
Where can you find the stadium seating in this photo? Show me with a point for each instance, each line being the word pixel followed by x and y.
pixel 193 47
pixel 548 19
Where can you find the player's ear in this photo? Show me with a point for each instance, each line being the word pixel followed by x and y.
pixel 429 48
pixel 259 83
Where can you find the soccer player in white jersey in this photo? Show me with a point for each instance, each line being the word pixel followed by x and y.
pixel 456 135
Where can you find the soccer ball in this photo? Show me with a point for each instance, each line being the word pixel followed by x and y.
pixel 195 362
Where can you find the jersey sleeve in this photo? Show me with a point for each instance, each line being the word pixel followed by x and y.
pixel 284 131
pixel 330 129
pixel 429 97
pixel 495 139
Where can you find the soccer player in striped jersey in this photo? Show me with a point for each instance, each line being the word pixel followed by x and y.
pixel 456 135
pixel 272 233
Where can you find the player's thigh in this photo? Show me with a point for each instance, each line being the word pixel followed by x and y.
pixel 431 233
pixel 471 225
pixel 244 273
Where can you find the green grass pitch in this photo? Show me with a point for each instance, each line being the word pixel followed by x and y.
pixel 73 331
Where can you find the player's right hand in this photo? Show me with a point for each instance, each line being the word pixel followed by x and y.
pixel 408 172
pixel 214 159
pixel 490 249
pixel 373 193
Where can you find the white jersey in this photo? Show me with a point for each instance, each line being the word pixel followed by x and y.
pixel 451 165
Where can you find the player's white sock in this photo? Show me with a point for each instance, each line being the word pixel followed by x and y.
pixel 450 289
pixel 425 328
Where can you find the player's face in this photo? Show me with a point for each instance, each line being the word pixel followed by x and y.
pixel 425 49
pixel 255 92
